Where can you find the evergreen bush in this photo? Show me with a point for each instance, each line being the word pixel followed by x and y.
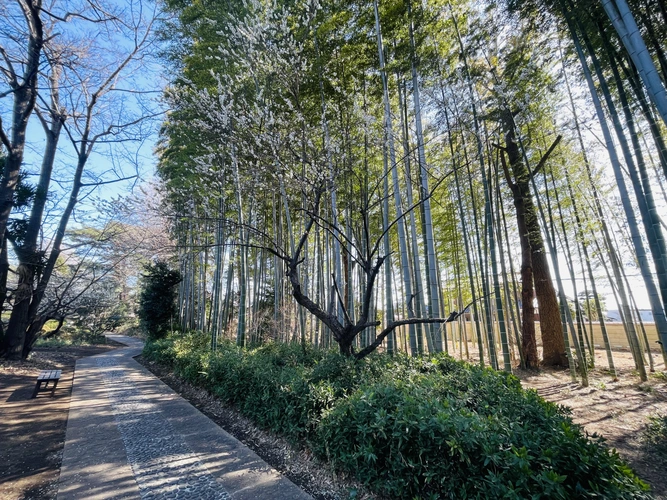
pixel 157 299
pixel 409 427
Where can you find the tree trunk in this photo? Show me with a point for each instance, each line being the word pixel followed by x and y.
pixel 25 95
pixel 389 136
pixel 515 313
pixel 553 343
pixel 389 301
pixel 599 213
pixel 642 187
pixel 429 244
pixel 414 242
pixel 468 252
pixel 4 271
pixel 18 321
pixel 629 211
pixel 507 364
pixel 241 327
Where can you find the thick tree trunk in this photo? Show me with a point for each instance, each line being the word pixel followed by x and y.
pixel 18 321
pixel 345 347
pixel 25 94
pixel 30 260
pixel 4 271
pixel 23 321
pixel 553 343
pixel 528 339
pixel 24 88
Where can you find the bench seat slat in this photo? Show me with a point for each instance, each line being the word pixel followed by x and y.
pixel 49 375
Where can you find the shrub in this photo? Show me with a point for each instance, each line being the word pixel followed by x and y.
pixel 417 437
pixel 655 434
pixel 69 336
pixel 409 427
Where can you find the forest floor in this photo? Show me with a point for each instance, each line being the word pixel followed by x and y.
pixel 32 431
pixel 619 410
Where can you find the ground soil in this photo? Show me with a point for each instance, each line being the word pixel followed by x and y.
pixel 32 431
pixel 617 410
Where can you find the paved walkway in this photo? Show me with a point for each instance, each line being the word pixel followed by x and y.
pixel 129 436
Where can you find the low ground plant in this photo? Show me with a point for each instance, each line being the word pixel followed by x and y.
pixel 409 427
pixel 655 434
pixel 71 336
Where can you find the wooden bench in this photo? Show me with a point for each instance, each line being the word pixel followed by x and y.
pixel 46 376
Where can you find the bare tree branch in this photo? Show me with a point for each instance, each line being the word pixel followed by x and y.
pixel 544 158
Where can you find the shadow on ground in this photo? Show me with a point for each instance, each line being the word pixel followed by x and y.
pixel 32 431
pixel 616 410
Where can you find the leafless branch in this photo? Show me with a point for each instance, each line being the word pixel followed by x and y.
pixel 101 183
pixel 4 138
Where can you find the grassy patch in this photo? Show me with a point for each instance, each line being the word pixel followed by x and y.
pixel 409 427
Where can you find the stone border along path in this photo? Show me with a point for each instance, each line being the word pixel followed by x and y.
pixel 129 436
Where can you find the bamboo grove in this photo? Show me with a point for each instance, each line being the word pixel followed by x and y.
pixel 419 176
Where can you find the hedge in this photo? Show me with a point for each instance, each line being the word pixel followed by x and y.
pixel 429 427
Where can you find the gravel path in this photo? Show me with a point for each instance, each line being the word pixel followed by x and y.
pixel 129 436
pixel 163 465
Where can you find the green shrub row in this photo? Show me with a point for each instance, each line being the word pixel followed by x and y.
pixel 409 427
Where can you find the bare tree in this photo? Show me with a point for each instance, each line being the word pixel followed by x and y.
pixel 95 96
pixel 99 267
pixel 370 260
pixel 21 50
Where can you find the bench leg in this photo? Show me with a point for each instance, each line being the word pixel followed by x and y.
pixel 53 389
pixel 37 388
